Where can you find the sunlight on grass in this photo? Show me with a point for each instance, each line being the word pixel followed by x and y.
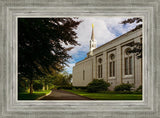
pixel 107 96
pixel 34 96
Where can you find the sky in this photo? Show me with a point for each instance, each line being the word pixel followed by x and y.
pixel 105 30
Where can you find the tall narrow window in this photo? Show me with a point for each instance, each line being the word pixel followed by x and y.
pixel 100 69
pixel 110 69
pixel 128 68
pixel 112 65
pixel 130 65
pixel 113 68
pixel 83 75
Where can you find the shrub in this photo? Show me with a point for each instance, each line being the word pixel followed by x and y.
pixel 22 85
pixel 123 87
pixel 97 85
pixel 139 89
pixel 65 87
pixel 21 89
pixel 80 87
pixel 37 86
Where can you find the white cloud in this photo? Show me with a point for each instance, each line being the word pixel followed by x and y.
pixel 105 29
pixel 69 69
pixel 101 30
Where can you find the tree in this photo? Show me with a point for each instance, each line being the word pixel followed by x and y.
pixel 47 81
pixel 136 46
pixel 41 45
pixel 62 79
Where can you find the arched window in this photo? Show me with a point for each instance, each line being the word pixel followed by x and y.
pixel 100 68
pixel 128 62
pixel 112 65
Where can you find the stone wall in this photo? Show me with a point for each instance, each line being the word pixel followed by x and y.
pixel 83 72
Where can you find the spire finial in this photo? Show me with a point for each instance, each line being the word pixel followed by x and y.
pixel 92 42
pixel 92 36
pixel 92 25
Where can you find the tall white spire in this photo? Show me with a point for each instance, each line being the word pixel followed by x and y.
pixel 93 43
pixel 92 36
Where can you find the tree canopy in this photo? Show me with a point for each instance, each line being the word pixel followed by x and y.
pixel 41 45
pixel 132 20
pixel 136 46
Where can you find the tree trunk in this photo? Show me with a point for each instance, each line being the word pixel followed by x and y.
pixel 47 86
pixel 31 86
pixel 43 87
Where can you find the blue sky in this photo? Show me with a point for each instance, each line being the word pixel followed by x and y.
pixel 105 30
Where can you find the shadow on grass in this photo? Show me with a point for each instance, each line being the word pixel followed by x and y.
pixel 34 96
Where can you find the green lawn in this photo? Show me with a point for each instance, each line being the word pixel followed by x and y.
pixel 107 96
pixel 34 96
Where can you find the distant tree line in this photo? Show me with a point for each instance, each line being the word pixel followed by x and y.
pixel 48 82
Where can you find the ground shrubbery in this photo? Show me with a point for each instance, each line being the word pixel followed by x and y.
pixel 37 86
pixel 139 89
pixel 97 85
pixel 21 88
pixel 80 87
pixel 123 87
pixel 22 85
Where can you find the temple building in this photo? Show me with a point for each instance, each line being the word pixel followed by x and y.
pixel 110 62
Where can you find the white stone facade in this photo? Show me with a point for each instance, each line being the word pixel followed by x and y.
pixel 112 63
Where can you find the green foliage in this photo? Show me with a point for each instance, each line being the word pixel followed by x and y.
pixel 22 84
pixel 133 20
pixel 123 87
pixel 21 88
pixel 40 44
pixel 47 81
pixel 34 96
pixel 139 89
pixel 80 87
pixel 97 85
pixel 136 46
pixel 40 49
pixel 37 85
pixel 62 80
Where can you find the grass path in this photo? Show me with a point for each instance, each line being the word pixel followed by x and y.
pixel 107 96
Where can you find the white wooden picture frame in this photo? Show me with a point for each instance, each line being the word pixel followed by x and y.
pixel 149 107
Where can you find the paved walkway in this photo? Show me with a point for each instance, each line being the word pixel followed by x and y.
pixel 63 95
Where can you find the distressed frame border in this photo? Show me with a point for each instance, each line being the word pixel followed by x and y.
pixel 11 10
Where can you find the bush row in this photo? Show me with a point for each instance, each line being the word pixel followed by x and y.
pixel 123 87
pixel 99 85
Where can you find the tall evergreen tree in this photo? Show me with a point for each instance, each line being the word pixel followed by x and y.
pixel 41 45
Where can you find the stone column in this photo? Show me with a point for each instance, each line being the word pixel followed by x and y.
pixel 118 66
pixel 104 66
pixel 138 69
